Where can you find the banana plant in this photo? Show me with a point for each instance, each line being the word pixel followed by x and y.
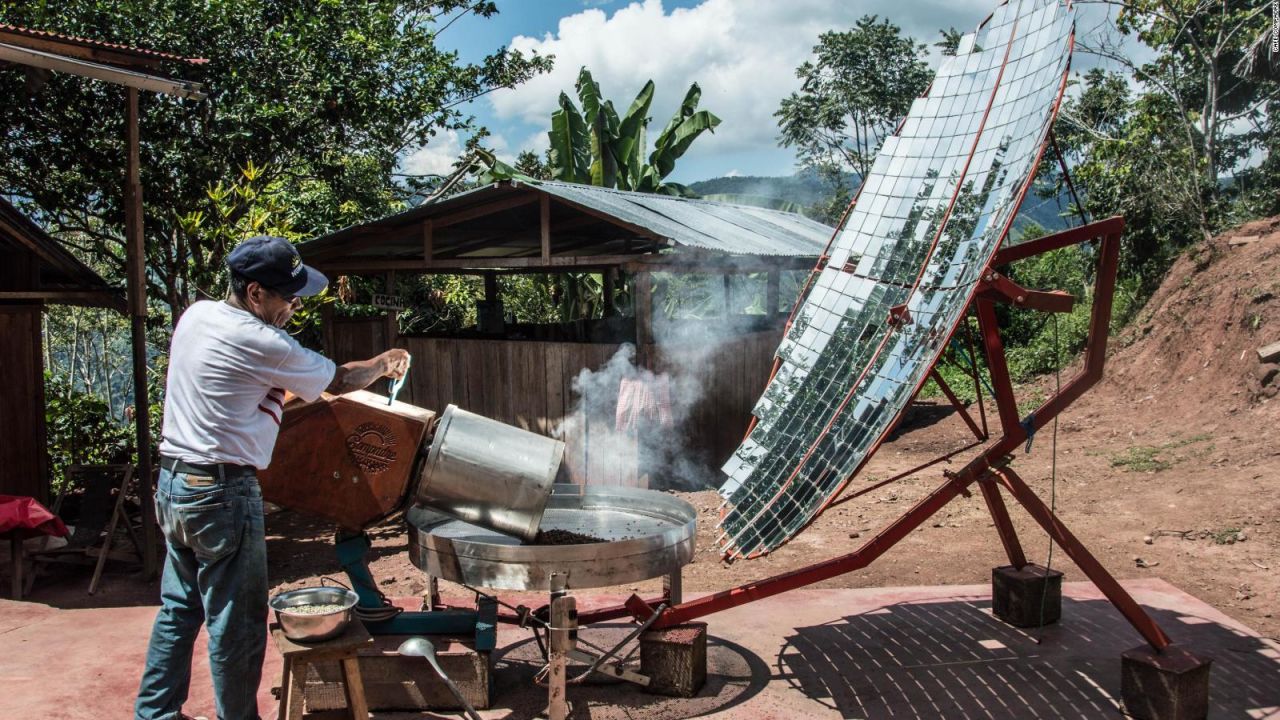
pixel 595 146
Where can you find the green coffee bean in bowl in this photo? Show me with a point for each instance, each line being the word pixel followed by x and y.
pixel 314 614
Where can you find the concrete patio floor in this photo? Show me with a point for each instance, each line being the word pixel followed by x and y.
pixel 924 652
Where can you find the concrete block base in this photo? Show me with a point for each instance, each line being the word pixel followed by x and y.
pixel 1168 685
pixel 393 682
pixel 675 659
pixel 1025 597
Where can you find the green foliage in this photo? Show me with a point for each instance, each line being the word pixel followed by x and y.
pixel 596 146
pixel 861 83
pixel 439 303
pixel 326 96
pixel 1155 458
pixel 80 430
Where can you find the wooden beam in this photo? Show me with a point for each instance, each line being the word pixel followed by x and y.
pixel 681 262
pixel 58 46
pixel 92 298
pixel 136 272
pixel 544 225
pixel 728 293
pixel 72 66
pixel 359 241
pixel 500 263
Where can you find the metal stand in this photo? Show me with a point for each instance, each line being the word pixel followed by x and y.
pixel 353 553
pixel 990 469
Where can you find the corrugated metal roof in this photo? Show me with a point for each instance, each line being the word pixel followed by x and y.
pixel 102 44
pixel 710 225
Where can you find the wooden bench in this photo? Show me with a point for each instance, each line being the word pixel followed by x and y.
pixel 297 656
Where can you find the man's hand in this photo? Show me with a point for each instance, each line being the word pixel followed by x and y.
pixel 360 374
pixel 395 362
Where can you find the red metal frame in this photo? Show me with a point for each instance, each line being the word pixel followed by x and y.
pixel 990 469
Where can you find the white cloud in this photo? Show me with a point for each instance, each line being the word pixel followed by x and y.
pixel 435 158
pixel 743 53
pixel 438 156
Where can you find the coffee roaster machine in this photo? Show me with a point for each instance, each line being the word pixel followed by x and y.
pixel 480 499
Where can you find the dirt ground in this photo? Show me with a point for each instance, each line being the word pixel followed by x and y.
pixel 1169 468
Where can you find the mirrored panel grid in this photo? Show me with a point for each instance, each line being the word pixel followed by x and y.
pixel 937 203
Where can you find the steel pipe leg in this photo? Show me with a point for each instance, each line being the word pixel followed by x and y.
pixel 1093 569
pixel 1004 526
pixel 673 587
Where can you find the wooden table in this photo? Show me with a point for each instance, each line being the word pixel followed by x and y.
pixel 298 655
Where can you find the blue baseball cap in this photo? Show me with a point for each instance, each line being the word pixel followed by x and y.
pixel 276 265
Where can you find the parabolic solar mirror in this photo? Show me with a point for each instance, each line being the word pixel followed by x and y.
pixel 936 205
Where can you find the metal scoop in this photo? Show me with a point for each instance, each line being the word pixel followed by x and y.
pixel 422 647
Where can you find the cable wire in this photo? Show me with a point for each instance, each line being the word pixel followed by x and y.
pixel 1053 477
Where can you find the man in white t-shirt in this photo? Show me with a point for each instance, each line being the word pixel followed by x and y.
pixel 230 365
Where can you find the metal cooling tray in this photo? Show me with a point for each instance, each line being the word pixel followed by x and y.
pixel 647 533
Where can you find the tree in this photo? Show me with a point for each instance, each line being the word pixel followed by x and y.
pixel 1209 82
pixel 852 95
pixel 594 146
pixel 324 96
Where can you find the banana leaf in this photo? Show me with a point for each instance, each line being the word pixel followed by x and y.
pixel 570 153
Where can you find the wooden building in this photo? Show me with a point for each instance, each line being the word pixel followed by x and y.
pixel 36 271
pixel 525 377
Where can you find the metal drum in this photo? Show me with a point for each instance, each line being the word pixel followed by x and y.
pixel 488 473
pixel 644 533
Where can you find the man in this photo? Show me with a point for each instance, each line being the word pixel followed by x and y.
pixel 230 365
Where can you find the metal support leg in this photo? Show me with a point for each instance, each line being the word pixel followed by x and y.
pixel 1118 596
pixel 673 587
pixel 561 644
pixel 433 592
pixel 999 514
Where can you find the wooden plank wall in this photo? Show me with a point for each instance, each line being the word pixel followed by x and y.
pixel 529 384
pixel 732 377
pixel 24 458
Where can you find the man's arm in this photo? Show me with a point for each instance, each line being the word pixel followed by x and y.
pixel 360 374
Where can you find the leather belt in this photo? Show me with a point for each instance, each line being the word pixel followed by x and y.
pixel 215 470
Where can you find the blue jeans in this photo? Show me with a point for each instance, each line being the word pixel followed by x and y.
pixel 215 573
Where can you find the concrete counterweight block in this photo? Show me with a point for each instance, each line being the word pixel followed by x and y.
pixel 1030 596
pixel 1169 685
pixel 675 659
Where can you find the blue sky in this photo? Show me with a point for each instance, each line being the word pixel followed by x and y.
pixel 743 53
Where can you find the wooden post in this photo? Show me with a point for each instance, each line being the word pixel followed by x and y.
pixel 728 294
pixel 136 268
pixel 392 328
pixel 771 293
pixel 609 291
pixel 490 287
pixel 326 329
pixel 428 242
pixel 644 318
pixel 545 226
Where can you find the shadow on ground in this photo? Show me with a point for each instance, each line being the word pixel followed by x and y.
pixel 734 676
pixel 954 659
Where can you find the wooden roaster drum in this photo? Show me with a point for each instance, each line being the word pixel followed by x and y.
pixel 351 459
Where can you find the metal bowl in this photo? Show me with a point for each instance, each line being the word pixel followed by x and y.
pixel 314 628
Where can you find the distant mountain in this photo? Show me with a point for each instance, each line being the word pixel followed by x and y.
pixel 805 188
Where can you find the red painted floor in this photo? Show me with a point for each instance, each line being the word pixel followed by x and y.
pixel 923 652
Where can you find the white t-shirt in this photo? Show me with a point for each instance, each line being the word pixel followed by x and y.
pixel 228 372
